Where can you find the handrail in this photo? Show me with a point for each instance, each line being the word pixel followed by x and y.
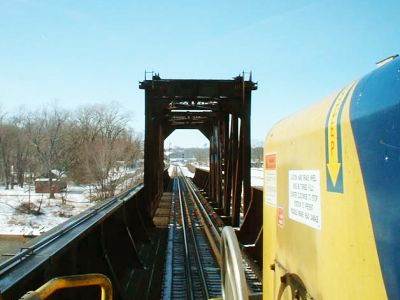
pixel 234 284
pixel 73 281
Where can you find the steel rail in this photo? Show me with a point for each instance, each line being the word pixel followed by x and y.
pixel 215 229
pixel 197 254
pixel 188 271
pixel 213 236
pixel 217 232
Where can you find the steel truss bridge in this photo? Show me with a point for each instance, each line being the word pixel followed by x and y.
pixel 168 237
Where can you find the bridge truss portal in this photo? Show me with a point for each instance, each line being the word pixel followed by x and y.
pixel 221 110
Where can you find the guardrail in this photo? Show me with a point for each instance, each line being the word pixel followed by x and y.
pixel 103 239
pixel 250 231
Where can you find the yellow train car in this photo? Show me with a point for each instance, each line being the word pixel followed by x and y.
pixel 331 226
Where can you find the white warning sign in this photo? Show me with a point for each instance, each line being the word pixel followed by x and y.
pixel 305 197
pixel 270 186
pixel 270 179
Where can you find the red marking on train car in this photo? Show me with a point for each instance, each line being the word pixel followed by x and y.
pixel 281 216
pixel 270 162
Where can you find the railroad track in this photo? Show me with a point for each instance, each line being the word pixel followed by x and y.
pixel 214 231
pixel 192 270
pixel 193 253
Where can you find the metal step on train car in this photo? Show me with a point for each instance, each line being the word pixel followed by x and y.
pixel 332 195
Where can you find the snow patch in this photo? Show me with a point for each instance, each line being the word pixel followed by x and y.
pixel 257 177
pixel 14 221
pixel 186 172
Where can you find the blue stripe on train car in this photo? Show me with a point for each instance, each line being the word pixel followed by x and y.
pixel 375 119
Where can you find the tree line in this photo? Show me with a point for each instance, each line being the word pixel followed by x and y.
pixel 89 145
pixel 201 154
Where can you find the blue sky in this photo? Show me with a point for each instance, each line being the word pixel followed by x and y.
pixel 81 52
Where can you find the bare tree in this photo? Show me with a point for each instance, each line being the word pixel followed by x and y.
pixel 24 156
pixel 106 145
pixel 93 145
pixel 48 136
pixel 257 155
pixel 7 140
pixel 201 154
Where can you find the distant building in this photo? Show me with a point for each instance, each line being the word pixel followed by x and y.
pixel 59 183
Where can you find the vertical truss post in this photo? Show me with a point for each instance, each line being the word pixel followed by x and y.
pixel 246 164
pixel 235 165
pixel 211 165
pixel 227 168
pixel 148 151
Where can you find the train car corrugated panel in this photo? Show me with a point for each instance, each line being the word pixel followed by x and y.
pixel 330 213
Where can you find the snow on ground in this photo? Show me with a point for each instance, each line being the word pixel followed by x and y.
pixel 186 172
pixel 53 212
pixel 171 170
pixel 132 178
pixel 201 166
pixel 257 174
pixel 184 169
pixel 14 219
pixel 257 177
